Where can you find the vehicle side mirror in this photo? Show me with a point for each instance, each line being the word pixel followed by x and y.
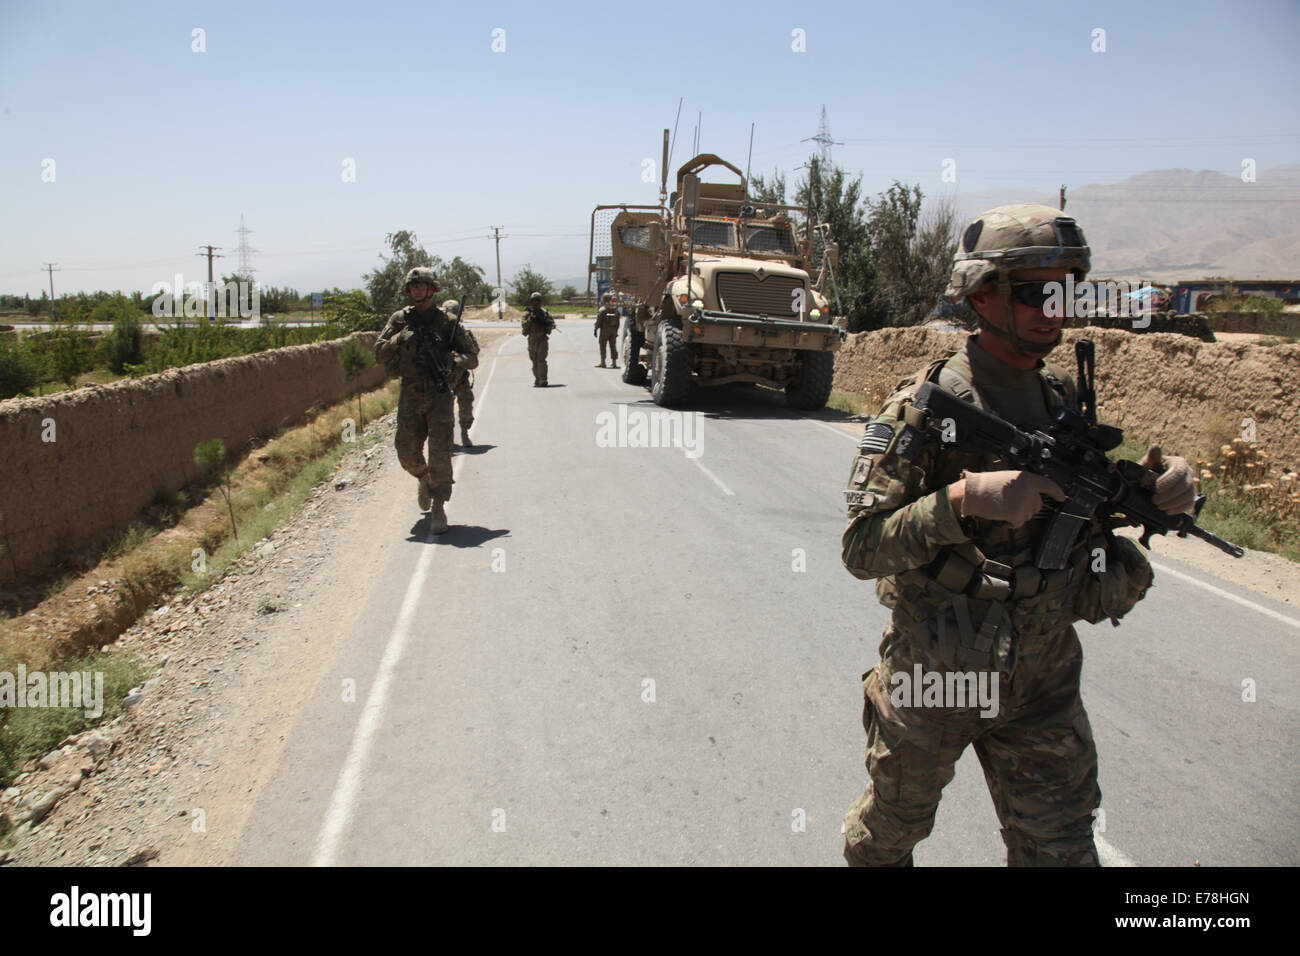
pixel 690 195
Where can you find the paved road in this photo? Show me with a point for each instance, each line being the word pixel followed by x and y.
pixel 633 655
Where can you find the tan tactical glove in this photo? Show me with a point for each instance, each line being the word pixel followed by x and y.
pixel 1174 492
pixel 1010 496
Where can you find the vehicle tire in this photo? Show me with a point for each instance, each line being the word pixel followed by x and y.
pixel 813 389
pixel 633 371
pixel 671 382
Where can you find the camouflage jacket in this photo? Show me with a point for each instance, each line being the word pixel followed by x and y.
pixel 537 322
pixel 397 350
pixel 903 531
pixel 607 320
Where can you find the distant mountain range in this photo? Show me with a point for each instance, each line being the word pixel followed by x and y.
pixel 1174 224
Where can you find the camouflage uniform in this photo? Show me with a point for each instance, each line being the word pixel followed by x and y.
pixel 537 324
pixel 607 320
pixel 462 383
pixel 423 412
pixel 966 597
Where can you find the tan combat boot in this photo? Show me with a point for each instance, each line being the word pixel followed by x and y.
pixel 422 496
pixel 437 517
pixel 464 437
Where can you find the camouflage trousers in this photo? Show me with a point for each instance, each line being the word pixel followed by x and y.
pixel 610 340
pixel 426 415
pixel 1037 752
pixel 464 388
pixel 538 346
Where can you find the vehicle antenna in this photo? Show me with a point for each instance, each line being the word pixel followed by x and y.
pixel 673 148
pixel 750 160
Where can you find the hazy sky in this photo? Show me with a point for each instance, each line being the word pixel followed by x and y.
pixel 157 148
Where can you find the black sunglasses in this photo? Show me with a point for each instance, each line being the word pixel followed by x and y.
pixel 1034 293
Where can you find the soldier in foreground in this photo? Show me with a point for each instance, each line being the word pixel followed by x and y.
pixel 413 344
pixel 606 327
pixel 537 325
pixel 950 537
pixel 462 382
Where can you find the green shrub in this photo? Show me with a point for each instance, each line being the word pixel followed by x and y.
pixel 125 344
pixel 20 370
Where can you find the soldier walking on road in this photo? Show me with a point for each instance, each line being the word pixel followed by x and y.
pixel 407 345
pixel 462 382
pixel 607 328
pixel 950 538
pixel 537 325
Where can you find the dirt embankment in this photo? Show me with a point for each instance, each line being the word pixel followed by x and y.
pixel 81 464
pixel 1186 394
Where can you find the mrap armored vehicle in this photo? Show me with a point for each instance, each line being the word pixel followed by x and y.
pixel 721 289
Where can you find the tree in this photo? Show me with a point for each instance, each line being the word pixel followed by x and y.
pixel 834 199
pixel 525 283
pixel 349 311
pixel 20 371
pixel 460 278
pixel 125 344
pixel 913 257
pixel 68 352
pixel 760 190
pixel 210 458
pixel 568 292
pixel 387 294
pixel 356 360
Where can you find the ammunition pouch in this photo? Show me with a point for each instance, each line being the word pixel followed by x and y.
pixel 1113 592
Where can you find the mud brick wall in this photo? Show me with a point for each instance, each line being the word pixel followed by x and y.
pixel 117 445
pixel 1186 394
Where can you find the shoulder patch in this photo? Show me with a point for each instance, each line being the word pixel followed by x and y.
pixel 861 471
pixel 863 498
pixel 876 438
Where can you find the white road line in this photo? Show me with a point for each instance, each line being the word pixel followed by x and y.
pixel 1165 569
pixel 1108 855
pixel 1277 616
pixel 344 799
pixel 716 480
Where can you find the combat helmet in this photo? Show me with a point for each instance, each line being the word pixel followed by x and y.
pixel 535 295
pixel 451 307
pixel 1019 236
pixel 421 274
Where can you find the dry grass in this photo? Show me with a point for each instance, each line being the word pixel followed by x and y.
pixel 146 563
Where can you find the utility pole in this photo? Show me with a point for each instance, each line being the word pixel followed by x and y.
pixel 1061 199
pixel 211 255
pixel 49 267
pixel 496 234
